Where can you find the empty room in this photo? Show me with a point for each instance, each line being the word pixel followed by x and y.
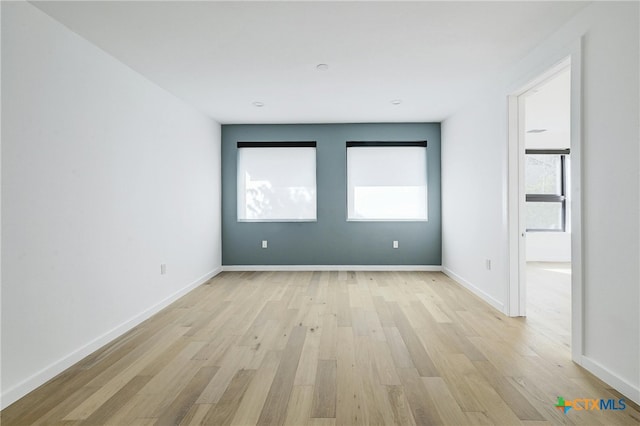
pixel 320 213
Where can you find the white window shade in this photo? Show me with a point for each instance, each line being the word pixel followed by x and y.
pixel 387 183
pixel 276 183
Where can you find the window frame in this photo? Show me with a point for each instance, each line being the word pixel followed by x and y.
pixel 552 198
pixel 384 144
pixel 276 145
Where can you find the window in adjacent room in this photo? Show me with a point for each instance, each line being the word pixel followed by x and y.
pixel 546 189
pixel 387 181
pixel 276 181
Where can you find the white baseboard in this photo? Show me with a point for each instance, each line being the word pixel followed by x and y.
pixel 616 382
pixel 475 290
pixel 285 268
pixel 9 396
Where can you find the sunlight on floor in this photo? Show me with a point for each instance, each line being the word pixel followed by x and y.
pixel 560 270
pixel 549 299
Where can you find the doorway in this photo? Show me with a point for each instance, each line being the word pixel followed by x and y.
pixel 544 203
pixel 547 209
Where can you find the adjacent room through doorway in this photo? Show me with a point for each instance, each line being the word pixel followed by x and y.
pixel 547 207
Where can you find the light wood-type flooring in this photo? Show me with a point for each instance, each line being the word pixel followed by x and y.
pixel 325 348
pixel 548 293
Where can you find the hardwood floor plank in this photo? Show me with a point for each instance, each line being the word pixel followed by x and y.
pixel 446 405
pixel 279 335
pixel 385 368
pixel 224 410
pixel 422 406
pixel 359 322
pixel 206 318
pixel 137 407
pixel 157 359
pixel 373 399
pixel 275 406
pixel 455 335
pixel 321 422
pixel 314 284
pixel 324 395
pixel 117 401
pixel 478 418
pixel 216 348
pixel 328 339
pixel 60 410
pixel 433 307
pixel 400 408
pixel 375 326
pixel 177 372
pixel 195 415
pixel 306 372
pixel 348 405
pixel 150 339
pixel 299 406
pixel 494 406
pixel 455 368
pixel 314 314
pixel 399 351
pixel 355 297
pixel 251 405
pixel 343 307
pixel 514 399
pixel 228 368
pixel 180 406
pixel 419 318
pixel 419 357
pixel 384 314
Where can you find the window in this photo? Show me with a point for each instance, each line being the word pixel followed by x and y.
pixel 387 181
pixel 546 189
pixel 276 181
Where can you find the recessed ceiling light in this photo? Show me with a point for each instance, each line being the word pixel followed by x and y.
pixel 536 131
pixel 258 104
pixel 322 67
pixel 396 101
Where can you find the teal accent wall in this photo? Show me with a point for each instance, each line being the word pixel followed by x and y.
pixel 331 240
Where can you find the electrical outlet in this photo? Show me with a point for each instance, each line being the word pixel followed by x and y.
pixel 264 244
pixel 487 263
pixel 395 244
pixel 163 268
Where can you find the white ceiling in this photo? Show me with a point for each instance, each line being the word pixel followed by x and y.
pixel 223 56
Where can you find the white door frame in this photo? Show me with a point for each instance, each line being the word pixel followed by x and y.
pixel 516 194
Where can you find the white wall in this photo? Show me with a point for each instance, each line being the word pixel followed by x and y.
pixel 473 198
pixel 104 177
pixel 474 186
